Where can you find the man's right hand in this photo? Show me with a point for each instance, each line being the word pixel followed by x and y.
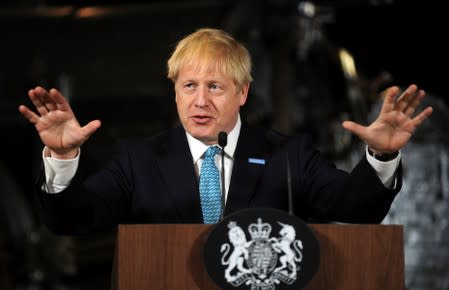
pixel 56 124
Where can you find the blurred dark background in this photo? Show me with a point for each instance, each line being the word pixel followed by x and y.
pixel 315 64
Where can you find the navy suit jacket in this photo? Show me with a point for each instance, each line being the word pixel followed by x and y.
pixel 154 181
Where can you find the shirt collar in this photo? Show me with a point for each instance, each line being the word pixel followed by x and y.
pixel 197 148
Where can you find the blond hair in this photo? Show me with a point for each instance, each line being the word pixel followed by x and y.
pixel 215 49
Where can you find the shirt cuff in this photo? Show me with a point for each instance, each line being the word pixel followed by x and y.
pixel 385 170
pixel 58 173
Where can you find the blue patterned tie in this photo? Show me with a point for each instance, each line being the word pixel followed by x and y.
pixel 210 191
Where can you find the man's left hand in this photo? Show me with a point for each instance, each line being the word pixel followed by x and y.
pixel 395 123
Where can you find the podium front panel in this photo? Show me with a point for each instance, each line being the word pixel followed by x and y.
pixel 169 256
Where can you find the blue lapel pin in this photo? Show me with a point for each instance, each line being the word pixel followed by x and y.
pixel 256 161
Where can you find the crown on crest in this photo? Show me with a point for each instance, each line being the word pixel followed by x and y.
pixel 259 230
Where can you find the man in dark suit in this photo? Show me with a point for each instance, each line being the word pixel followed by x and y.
pixel 156 180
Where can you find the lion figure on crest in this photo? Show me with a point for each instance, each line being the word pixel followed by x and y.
pixel 240 253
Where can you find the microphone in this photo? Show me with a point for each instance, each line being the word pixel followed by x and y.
pixel 222 142
pixel 289 187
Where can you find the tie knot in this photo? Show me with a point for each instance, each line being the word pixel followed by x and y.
pixel 211 151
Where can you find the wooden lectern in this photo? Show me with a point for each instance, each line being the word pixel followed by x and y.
pixel 353 257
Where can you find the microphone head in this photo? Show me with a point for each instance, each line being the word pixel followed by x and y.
pixel 222 139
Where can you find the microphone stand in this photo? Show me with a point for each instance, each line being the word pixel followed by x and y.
pixel 222 142
pixel 289 187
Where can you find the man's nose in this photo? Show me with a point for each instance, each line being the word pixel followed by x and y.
pixel 201 97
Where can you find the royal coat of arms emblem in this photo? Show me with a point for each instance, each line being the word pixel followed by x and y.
pixel 261 249
pixel 263 261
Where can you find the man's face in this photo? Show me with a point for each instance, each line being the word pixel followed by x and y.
pixel 208 102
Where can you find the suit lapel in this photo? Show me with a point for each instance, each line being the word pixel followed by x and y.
pixel 246 173
pixel 177 169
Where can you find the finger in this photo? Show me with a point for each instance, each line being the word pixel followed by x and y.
pixel 354 128
pixel 91 127
pixel 389 99
pixel 413 104
pixel 421 117
pixel 28 114
pixel 45 98
pixel 404 99
pixel 48 102
pixel 36 98
pixel 60 101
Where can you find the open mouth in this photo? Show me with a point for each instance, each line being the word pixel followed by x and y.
pixel 201 119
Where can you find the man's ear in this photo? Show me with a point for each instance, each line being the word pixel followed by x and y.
pixel 244 94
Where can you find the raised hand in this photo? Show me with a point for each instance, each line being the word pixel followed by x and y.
pixel 395 123
pixel 56 124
